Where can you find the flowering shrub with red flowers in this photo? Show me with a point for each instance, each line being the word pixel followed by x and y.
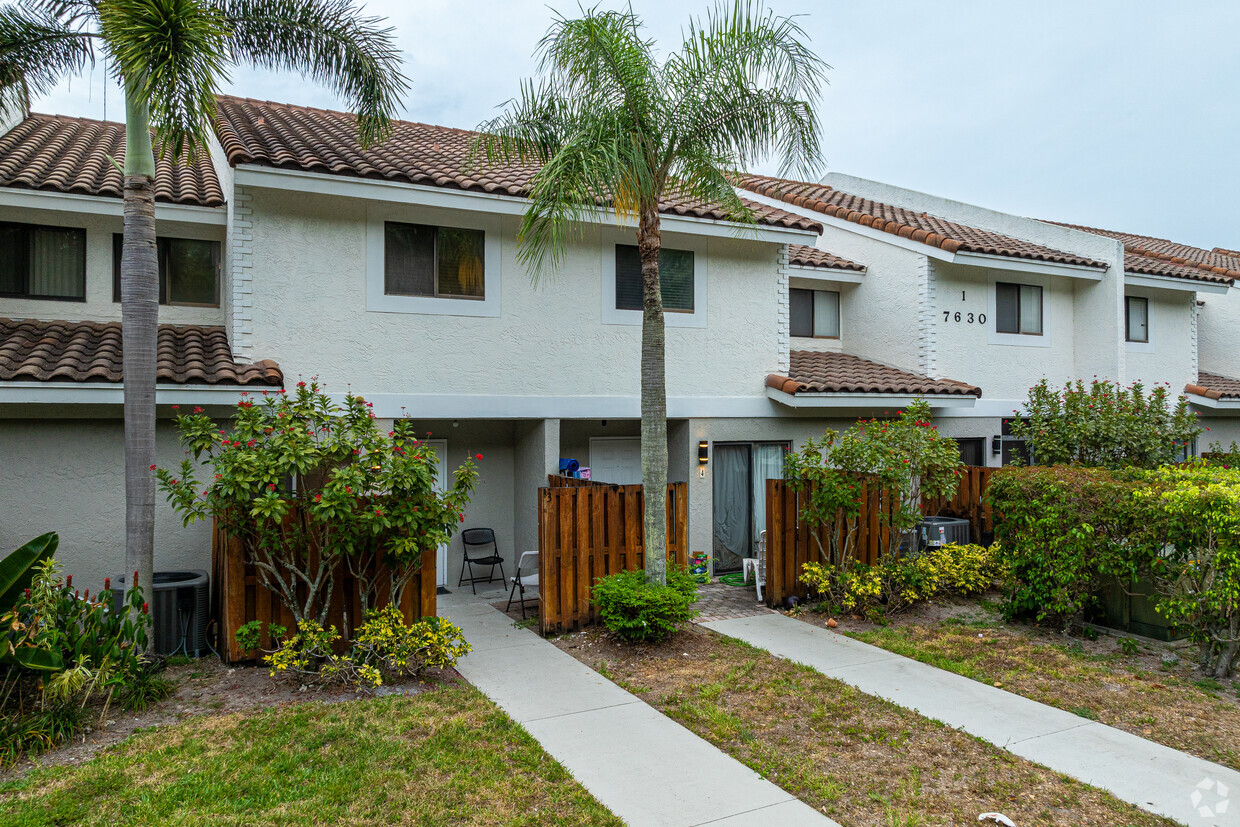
pixel 62 648
pixel 905 455
pixel 310 485
pixel 1106 425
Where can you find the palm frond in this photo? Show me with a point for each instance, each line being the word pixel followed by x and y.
pixel 747 85
pixel 37 49
pixel 171 53
pixel 703 177
pixel 330 41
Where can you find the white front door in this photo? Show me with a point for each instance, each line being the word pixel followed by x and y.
pixel 440 447
pixel 616 459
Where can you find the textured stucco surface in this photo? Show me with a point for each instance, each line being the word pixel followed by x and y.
pixel 99 305
pixel 1217 323
pixel 1169 356
pixel 68 476
pixel 549 339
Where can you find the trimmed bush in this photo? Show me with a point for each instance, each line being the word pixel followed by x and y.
pixel 642 612
pixel 896 583
pixel 1065 532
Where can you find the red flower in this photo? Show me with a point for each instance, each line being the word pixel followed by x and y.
pixel 477 456
pixel 462 518
pixel 69 582
pixel 318 498
pixel 107 584
pixel 176 407
pixel 197 409
pixel 152 467
pixel 378 512
pixel 271 486
pixel 301 384
pixel 146 608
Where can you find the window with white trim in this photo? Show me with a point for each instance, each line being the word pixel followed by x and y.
pixel 1136 319
pixel 814 313
pixel 189 270
pixel 38 262
pixel 1018 308
pixel 675 279
pixel 437 262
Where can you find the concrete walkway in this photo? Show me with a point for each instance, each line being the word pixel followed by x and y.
pixel 1153 777
pixel 643 766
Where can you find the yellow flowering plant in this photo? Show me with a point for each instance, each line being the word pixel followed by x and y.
pixel 384 648
pixel 896 583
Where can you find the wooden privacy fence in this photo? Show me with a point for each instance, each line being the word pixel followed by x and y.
pixel 240 598
pixel 791 543
pixel 590 530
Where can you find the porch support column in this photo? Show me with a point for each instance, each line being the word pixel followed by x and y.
pixel 537 455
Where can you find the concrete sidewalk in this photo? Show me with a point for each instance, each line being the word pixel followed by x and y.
pixel 643 766
pixel 1153 777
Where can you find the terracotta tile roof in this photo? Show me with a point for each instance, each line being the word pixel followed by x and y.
pixel 801 255
pixel 53 152
pixel 1214 386
pixel 60 351
pixel 814 372
pixel 1150 256
pixel 321 140
pixel 918 226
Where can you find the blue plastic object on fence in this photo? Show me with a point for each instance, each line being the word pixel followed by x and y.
pixel 569 467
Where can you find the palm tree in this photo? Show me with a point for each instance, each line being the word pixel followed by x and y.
pixel 608 122
pixel 170 57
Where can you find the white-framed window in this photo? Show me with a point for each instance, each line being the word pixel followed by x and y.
pixel 814 313
pixel 675 279
pixel 189 270
pixel 431 261
pixel 683 277
pixel 1136 319
pixel 439 262
pixel 1019 313
pixel 1018 308
pixel 39 262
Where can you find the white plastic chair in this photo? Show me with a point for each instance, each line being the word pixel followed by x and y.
pixel 525 578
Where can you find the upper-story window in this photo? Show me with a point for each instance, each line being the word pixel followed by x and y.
pixel 675 278
pixel 437 262
pixel 189 270
pixel 814 313
pixel 1136 319
pixel 38 262
pixel 1018 308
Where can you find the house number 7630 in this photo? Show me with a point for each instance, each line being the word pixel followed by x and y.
pixel 967 318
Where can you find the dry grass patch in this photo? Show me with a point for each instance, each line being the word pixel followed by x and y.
pixel 1099 681
pixel 441 757
pixel 859 759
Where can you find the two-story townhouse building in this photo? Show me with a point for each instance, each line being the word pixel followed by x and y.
pixel 1000 301
pixel 392 272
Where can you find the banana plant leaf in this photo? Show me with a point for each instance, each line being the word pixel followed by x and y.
pixel 17 569
pixel 42 660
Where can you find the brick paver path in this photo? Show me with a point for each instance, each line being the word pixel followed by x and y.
pixel 719 601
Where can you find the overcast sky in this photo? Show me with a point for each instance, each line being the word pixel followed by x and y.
pixel 1123 114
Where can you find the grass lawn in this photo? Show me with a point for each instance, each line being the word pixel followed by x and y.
pixel 1101 683
pixel 447 756
pixel 857 758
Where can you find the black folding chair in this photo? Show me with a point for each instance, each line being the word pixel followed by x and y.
pixel 476 541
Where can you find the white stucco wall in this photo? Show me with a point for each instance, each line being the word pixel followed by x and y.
pixel 1168 357
pixel 1217 325
pixel 878 318
pixel 99 305
pixel 970 352
pixel 310 266
pixel 68 476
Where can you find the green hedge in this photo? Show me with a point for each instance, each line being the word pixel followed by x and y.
pixel 1065 531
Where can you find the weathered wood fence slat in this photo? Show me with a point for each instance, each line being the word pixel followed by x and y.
pixel 239 597
pixel 590 529
pixel 792 542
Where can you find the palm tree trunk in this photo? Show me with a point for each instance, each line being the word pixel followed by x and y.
pixel 139 332
pixel 654 398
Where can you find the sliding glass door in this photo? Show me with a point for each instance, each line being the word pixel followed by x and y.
pixel 740 472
